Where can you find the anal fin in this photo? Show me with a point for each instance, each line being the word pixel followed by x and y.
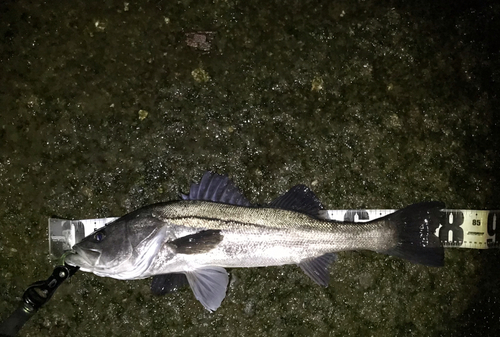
pixel 317 268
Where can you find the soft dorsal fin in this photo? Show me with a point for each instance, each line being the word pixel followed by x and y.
pixel 216 188
pixel 299 198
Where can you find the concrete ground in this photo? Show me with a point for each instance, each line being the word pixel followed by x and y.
pixel 108 106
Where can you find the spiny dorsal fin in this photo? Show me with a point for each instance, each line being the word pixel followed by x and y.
pixel 299 198
pixel 216 188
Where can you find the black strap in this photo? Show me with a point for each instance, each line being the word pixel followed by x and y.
pixel 34 298
pixel 11 326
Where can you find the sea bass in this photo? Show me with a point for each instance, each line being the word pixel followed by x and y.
pixel 214 227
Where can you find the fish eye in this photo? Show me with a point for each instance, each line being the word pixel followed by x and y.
pixel 99 236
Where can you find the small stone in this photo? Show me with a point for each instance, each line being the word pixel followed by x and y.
pixel 200 75
pixel 143 114
pixel 317 84
pixel 200 40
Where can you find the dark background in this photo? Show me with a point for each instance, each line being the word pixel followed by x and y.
pixel 372 104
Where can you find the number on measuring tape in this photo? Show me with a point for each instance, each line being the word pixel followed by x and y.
pixel 450 231
pixel 493 230
pixel 356 215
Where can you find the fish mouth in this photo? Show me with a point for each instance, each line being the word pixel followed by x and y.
pixel 83 258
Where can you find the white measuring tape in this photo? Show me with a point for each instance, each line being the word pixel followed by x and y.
pixel 459 228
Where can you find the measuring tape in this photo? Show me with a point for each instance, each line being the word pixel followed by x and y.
pixel 64 234
pixel 459 228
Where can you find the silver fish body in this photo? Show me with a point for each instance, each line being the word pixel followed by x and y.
pixel 215 227
pixel 260 237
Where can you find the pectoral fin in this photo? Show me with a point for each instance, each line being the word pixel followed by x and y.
pixel 209 285
pixel 317 268
pixel 200 242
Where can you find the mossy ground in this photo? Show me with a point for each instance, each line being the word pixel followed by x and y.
pixel 106 108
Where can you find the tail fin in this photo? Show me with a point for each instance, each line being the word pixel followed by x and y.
pixel 415 226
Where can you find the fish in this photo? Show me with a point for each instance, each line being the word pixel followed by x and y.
pixel 193 240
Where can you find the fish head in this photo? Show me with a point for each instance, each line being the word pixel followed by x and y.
pixel 123 249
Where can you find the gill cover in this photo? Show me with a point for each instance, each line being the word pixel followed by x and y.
pixel 123 249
